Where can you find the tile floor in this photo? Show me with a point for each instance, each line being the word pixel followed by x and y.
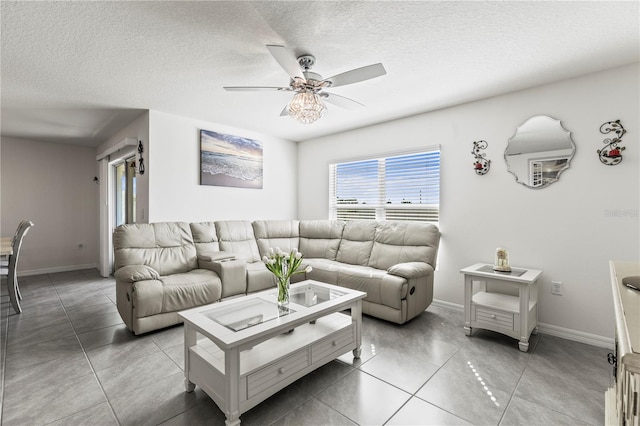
pixel 69 360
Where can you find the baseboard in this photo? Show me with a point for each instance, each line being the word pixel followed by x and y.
pixel 448 305
pixel 577 336
pixel 551 330
pixel 56 269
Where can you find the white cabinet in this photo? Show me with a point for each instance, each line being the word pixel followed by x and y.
pixel 622 401
pixel 506 302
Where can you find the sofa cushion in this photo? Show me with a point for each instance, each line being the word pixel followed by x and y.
pixel 259 277
pixel 176 292
pixel 381 288
pixel 283 234
pixel 320 238
pixel 357 241
pixel 205 237
pixel 401 242
pixel 323 270
pixel 236 236
pixel 195 288
pixel 167 247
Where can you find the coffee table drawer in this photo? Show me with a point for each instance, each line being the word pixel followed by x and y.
pixel 276 372
pixel 335 343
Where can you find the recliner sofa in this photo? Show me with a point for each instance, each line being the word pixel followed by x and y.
pixel 158 274
pixel 163 268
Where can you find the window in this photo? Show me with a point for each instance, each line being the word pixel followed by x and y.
pixel 402 187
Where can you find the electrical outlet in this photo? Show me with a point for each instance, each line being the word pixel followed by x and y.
pixel 556 288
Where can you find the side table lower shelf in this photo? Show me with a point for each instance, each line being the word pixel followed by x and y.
pixel 501 313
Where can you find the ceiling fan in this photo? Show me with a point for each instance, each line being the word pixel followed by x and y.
pixel 307 104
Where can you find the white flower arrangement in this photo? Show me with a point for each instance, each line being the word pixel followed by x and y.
pixel 283 265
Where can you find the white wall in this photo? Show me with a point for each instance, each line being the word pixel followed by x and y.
pixel 52 185
pixel 570 229
pixel 173 168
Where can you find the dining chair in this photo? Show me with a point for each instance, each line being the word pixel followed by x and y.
pixel 11 270
pixel 5 259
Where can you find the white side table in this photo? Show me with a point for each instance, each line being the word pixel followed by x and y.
pixel 506 302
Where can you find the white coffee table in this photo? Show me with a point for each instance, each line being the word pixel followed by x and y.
pixel 241 351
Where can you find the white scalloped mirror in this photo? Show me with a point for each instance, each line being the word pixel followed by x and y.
pixel 539 151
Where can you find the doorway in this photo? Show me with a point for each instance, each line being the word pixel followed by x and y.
pixel 117 199
pixel 125 192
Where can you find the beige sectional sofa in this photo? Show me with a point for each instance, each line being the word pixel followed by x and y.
pixel 163 268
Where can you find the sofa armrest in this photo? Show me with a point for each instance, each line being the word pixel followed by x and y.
pixel 133 273
pixel 232 273
pixel 410 270
pixel 213 256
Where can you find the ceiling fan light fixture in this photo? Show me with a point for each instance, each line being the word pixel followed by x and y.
pixel 306 107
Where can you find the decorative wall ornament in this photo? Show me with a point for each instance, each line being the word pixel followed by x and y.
pixel 481 165
pixel 140 159
pixel 611 154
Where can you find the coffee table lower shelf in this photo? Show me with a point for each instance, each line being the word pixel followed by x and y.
pixel 271 365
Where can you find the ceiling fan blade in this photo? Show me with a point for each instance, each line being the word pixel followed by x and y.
pixel 341 101
pixel 356 75
pixel 287 60
pixel 255 88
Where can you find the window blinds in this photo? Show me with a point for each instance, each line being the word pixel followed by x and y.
pixel 401 187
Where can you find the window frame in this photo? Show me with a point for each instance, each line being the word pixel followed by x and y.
pixel 381 209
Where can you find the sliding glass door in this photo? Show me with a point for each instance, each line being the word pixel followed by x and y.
pixel 125 187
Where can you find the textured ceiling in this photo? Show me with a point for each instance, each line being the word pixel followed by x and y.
pixel 76 72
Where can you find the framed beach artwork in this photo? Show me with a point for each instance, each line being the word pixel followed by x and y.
pixel 228 160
